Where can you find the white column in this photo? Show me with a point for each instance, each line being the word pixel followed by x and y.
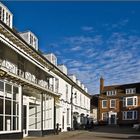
pixel 20 108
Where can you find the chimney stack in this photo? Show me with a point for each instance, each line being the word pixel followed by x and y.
pixel 101 84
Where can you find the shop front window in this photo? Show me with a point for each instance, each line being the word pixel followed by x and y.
pixel 9 112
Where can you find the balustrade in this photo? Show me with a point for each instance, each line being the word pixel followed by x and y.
pixel 26 75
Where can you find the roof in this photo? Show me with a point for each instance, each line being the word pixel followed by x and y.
pixel 54 68
pixel 123 86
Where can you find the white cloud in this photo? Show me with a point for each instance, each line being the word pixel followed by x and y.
pixel 120 24
pixel 118 61
pixel 84 40
pixel 115 57
pixel 87 28
pixel 76 48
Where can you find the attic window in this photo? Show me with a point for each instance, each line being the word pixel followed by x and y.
pixel 111 93
pixel 130 91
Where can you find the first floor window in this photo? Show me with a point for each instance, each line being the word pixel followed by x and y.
pixel 130 115
pixel 130 101
pixel 112 103
pixel 104 103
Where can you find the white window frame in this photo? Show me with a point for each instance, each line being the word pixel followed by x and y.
pixel 106 116
pixel 111 101
pixel 133 97
pixel 13 114
pixel 124 115
pixel 102 103
pixel 111 93
pixel 130 90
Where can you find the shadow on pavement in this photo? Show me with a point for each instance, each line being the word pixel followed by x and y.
pixel 114 129
pixel 134 137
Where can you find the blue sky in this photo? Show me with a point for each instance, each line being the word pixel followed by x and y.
pixel 92 39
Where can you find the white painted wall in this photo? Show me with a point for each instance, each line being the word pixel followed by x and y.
pixel 63 68
pixel 27 37
pixel 6 15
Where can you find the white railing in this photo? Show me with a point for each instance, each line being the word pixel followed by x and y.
pixel 10 66
pixel 26 75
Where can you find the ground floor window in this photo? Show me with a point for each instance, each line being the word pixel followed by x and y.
pixel 130 115
pixel 48 104
pixel 35 112
pixel 105 116
pixel 9 107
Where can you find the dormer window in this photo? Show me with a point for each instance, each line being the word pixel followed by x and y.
pixel 30 38
pixel 5 15
pixel 111 93
pixel 130 91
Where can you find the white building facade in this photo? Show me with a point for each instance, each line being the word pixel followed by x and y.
pixel 35 93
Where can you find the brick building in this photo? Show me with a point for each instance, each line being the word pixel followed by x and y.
pixel 119 104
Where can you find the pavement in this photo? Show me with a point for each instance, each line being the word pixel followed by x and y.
pixel 98 133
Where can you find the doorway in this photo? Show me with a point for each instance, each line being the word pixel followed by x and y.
pixel 25 131
pixel 112 118
pixel 63 122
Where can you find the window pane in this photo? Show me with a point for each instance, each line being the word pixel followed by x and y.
pixel 15 123
pixel 15 108
pixel 124 102
pixel 135 115
pixel 1 123
pixel 8 123
pixel 104 103
pixel 8 88
pixel 130 101
pixel 105 116
pixel 15 93
pixel 1 106
pixel 135 101
pixel 124 114
pixel 7 107
pixel 129 115
pixel 112 103
pixel 1 86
